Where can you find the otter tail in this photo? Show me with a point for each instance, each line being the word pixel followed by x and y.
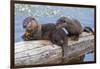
pixel 88 30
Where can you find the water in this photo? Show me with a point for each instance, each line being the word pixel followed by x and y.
pixel 89 57
pixel 50 14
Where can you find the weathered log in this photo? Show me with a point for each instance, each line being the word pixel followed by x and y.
pixel 44 52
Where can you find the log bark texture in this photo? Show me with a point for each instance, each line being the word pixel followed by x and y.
pixel 44 52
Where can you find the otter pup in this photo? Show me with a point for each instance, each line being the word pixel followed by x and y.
pixel 73 26
pixel 32 29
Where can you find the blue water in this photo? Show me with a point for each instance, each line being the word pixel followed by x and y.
pixel 89 57
pixel 50 14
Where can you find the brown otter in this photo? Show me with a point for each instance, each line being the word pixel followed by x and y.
pixel 60 37
pixel 73 27
pixel 35 31
pixel 47 29
pixel 32 29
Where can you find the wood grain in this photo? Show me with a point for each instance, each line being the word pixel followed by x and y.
pixel 44 52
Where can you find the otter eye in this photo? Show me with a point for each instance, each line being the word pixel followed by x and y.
pixel 24 25
pixel 63 21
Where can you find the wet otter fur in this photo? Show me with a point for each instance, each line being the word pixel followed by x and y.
pixel 60 38
pixel 35 31
pixel 57 36
pixel 73 27
pixel 47 29
pixel 32 30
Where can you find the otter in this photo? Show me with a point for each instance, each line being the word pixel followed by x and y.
pixel 60 38
pixel 36 31
pixel 47 29
pixel 32 29
pixel 73 26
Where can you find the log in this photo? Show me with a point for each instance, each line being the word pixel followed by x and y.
pixel 39 52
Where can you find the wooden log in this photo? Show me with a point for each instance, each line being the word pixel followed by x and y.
pixel 44 52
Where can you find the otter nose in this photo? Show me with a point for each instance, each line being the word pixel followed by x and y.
pixel 29 24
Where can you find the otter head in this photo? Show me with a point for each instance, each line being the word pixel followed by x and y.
pixel 62 22
pixel 30 23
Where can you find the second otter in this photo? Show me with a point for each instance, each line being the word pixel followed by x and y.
pixel 73 27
